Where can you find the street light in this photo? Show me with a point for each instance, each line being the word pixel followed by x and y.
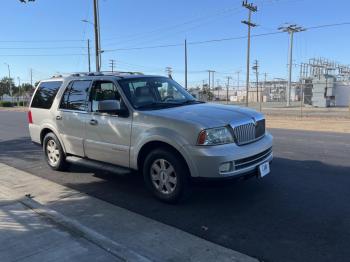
pixel 96 25
pixel 87 21
pixel 98 50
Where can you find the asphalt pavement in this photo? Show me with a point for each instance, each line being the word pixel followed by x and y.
pixel 300 212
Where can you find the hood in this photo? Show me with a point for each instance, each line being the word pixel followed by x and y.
pixel 208 115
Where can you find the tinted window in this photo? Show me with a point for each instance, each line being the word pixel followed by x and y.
pixel 74 98
pixel 45 94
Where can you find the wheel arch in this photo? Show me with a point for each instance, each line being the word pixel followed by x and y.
pixel 47 130
pixel 151 145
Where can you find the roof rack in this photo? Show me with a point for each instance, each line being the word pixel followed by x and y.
pixel 102 73
pixel 121 73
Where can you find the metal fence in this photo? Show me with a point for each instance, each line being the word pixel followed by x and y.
pixel 295 110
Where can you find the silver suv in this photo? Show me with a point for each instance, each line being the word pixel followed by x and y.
pixel 150 124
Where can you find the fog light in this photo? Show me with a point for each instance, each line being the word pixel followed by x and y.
pixel 225 167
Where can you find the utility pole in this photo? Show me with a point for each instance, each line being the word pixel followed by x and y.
pixel 290 29
pixel 209 83
pixel 251 8
pixel 97 36
pixel 238 73
pixel 227 87
pixel 9 81
pixel 169 72
pixel 256 70
pixel 19 91
pixel 261 94
pixel 112 63
pixel 89 61
pixel 218 86
pixel 186 64
pixel 31 77
pixel 301 90
pixel 211 80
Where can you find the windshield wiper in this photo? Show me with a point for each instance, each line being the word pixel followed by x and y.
pixel 190 102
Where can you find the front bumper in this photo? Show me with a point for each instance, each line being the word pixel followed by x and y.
pixel 205 161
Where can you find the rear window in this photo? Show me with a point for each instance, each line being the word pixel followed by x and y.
pixel 45 94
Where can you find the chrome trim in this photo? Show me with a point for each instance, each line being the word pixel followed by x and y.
pixel 245 132
pixel 269 151
pixel 248 169
pixel 72 111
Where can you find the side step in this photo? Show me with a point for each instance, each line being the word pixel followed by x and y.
pixel 98 165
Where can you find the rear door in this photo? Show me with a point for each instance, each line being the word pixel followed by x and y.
pixel 107 134
pixel 71 116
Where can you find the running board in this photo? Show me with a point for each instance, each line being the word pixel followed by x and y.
pixel 98 165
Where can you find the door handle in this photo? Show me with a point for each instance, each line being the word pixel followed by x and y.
pixel 93 122
pixel 58 117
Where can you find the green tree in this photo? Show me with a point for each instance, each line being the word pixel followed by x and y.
pixel 6 86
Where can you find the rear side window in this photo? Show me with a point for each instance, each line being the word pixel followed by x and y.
pixel 45 94
pixel 75 96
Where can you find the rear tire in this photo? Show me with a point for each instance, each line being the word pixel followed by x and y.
pixel 54 154
pixel 166 175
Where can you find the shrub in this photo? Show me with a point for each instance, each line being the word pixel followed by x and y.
pixel 6 104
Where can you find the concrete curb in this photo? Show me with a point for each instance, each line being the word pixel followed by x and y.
pixel 99 240
pixel 125 235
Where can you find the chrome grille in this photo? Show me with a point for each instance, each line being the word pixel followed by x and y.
pixel 249 132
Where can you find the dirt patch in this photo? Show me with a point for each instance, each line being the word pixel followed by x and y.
pixel 309 124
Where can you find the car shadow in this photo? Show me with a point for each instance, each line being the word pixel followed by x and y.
pixel 302 205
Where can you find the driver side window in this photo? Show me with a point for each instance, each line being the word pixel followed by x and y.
pixel 103 91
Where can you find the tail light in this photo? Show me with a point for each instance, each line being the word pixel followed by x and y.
pixel 30 118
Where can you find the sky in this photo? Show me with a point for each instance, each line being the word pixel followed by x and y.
pixel 49 37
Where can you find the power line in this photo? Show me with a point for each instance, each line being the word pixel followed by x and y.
pixel 41 48
pixel 43 55
pixel 191 43
pixel 166 28
pixel 225 11
pixel 40 41
pixel 327 25
pixel 218 40
pixel 177 44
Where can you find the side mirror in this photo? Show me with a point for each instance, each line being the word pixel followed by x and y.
pixel 109 106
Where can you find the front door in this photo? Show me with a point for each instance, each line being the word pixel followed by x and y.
pixel 107 136
pixel 71 116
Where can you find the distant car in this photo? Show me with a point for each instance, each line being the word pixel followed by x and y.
pixel 150 124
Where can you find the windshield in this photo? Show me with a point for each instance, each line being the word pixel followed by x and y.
pixel 155 93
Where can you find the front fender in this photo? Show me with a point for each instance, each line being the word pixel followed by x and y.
pixel 157 134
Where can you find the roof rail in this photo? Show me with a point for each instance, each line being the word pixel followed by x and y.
pixel 86 74
pixel 56 76
pixel 102 73
pixel 118 73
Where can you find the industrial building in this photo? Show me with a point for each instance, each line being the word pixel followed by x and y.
pixel 321 83
pixel 325 83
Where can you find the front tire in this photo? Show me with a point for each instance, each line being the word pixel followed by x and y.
pixel 54 154
pixel 166 175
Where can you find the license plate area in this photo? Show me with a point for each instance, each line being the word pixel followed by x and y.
pixel 264 169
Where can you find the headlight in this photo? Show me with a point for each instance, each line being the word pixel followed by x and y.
pixel 215 136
